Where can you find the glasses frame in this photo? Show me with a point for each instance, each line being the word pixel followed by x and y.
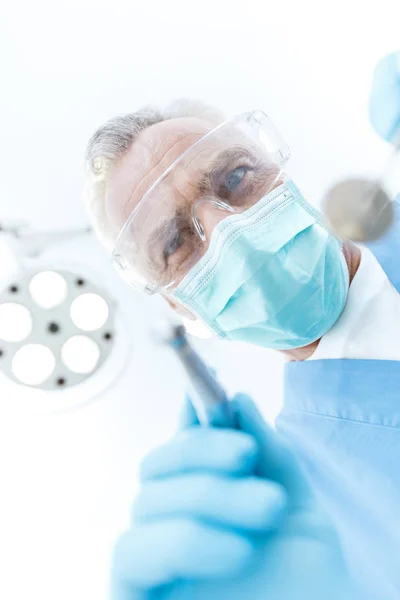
pixel 281 157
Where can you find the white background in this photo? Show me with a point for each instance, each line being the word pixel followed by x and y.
pixel 67 480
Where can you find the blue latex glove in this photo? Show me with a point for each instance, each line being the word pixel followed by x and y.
pixel 226 514
pixel 384 106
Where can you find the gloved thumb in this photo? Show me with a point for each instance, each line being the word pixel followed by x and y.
pixel 276 460
pixel 188 416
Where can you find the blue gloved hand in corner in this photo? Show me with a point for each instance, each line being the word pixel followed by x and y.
pixel 384 105
pixel 227 514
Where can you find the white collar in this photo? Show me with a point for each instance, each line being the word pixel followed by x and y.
pixel 369 326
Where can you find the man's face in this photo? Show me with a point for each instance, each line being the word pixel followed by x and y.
pixel 228 171
pixel 211 170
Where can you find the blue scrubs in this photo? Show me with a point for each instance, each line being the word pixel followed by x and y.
pixel 342 416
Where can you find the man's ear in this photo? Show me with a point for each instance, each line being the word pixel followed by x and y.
pixel 181 310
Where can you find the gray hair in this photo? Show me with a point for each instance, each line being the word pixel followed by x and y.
pixel 113 139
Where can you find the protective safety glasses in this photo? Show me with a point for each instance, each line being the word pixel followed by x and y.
pixel 227 171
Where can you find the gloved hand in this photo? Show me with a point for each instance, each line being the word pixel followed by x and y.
pixel 226 514
pixel 384 105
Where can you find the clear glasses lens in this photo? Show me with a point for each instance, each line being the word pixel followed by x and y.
pixel 228 170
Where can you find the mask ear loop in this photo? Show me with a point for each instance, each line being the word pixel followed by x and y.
pixel 220 204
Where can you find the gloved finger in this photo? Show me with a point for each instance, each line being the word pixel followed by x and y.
pixel 188 417
pixel 384 102
pixel 249 503
pixel 123 590
pixel 224 451
pixel 160 552
pixel 276 461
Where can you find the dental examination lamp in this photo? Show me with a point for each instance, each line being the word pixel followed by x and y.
pixel 59 328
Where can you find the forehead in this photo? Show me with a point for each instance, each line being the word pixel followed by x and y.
pixel 153 151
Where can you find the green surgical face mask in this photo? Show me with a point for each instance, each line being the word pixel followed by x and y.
pixel 272 275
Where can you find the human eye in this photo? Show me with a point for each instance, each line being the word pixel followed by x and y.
pixel 243 184
pixel 238 184
pixel 177 242
pixel 179 250
pixel 234 178
pixel 172 245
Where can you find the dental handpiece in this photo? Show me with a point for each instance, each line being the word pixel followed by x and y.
pixel 206 394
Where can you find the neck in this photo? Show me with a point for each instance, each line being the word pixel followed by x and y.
pixel 352 255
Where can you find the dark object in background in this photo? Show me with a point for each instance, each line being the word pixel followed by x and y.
pixel 358 210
